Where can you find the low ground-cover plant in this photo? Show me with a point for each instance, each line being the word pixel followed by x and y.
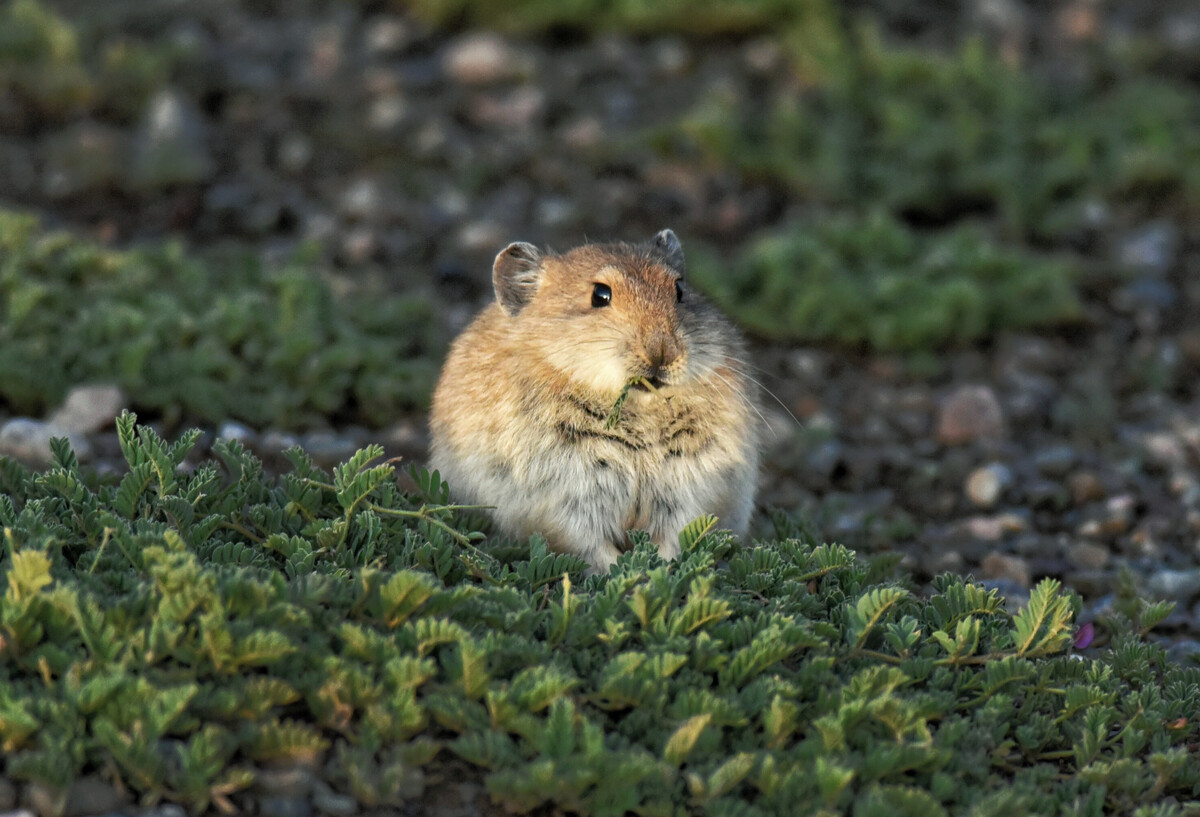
pixel 204 340
pixel 180 629
pixel 934 137
pixel 53 69
pixel 872 280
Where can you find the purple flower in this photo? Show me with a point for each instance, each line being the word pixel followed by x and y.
pixel 1084 636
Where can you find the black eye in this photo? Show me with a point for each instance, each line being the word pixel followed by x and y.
pixel 601 295
pixel 679 292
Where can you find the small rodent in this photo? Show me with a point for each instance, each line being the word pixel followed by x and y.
pixel 521 415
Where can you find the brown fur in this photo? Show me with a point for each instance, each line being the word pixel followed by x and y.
pixel 519 413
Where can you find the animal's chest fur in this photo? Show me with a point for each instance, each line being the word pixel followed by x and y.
pixel 648 429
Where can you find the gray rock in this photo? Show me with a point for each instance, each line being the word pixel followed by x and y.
pixel 1165 449
pixel 387 112
pixel 1185 652
pixel 89 409
pixel 327 448
pixel 168 810
pixel 230 430
pixel 1150 249
pixel 517 110
pixel 1180 585
pixel 91 795
pixel 276 442
pixel 825 460
pixel 483 58
pixel 1055 461
pixel 330 803
pixel 387 34
pixel 170 148
pixel 672 56
pixel 295 152
pixel 970 413
pixel 8 794
pixel 45 800
pixel 1088 555
pixel 289 781
pixel 362 200
pixel 1002 567
pixel 1090 583
pixel 1045 494
pixel 285 807
pixel 1085 487
pixel 29 441
pixel 985 485
pixel 1015 595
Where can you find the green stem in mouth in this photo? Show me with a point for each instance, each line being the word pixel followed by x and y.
pixel 614 415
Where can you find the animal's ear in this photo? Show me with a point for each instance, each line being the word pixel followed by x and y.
pixel 666 245
pixel 516 275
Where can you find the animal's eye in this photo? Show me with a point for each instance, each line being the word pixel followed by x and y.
pixel 601 295
pixel 679 292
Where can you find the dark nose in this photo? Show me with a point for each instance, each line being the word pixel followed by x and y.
pixel 661 351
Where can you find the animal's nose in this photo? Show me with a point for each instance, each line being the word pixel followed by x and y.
pixel 662 351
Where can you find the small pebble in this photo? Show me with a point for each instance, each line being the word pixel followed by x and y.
pixel 970 413
pixel 985 485
pixel 1180 585
pixel 482 59
pixel 1055 461
pixel 231 430
pixel 1088 555
pixel 285 807
pixel 1003 567
pixel 8 794
pixel 1085 487
pixel 286 782
pixel 88 409
pixel 994 528
pixel 330 803
pixel 28 440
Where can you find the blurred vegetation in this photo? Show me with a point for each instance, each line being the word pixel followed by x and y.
pixel 184 631
pixel 691 16
pixel 934 137
pixel 872 280
pixel 227 338
pixel 933 197
pixel 54 69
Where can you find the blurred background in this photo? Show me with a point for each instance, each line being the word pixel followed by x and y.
pixel 961 235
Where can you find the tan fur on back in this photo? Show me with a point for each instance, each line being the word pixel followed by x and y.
pixel 519 412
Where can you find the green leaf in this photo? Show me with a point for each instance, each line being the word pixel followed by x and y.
pixel 870 609
pixel 1043 626
pixel 28 574
pixel 680 744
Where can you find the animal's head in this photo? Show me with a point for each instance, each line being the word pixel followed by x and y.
pixel 607 313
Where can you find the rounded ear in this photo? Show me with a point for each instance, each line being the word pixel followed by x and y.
pixel 516 274
pixel 666 245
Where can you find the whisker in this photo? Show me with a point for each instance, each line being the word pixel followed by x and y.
pixel 738 393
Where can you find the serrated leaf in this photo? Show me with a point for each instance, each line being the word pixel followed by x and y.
pixel 680 744
pixel 28 574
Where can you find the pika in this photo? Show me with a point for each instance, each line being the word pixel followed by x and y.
pixel 523 415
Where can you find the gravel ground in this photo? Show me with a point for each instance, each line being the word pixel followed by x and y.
pixel 1071 454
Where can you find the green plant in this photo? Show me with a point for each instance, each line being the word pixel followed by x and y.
pixel 228 338
pixel 704 17
pixel 60 68
pixel 871 280
pixel 936 136
pixel 177 630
